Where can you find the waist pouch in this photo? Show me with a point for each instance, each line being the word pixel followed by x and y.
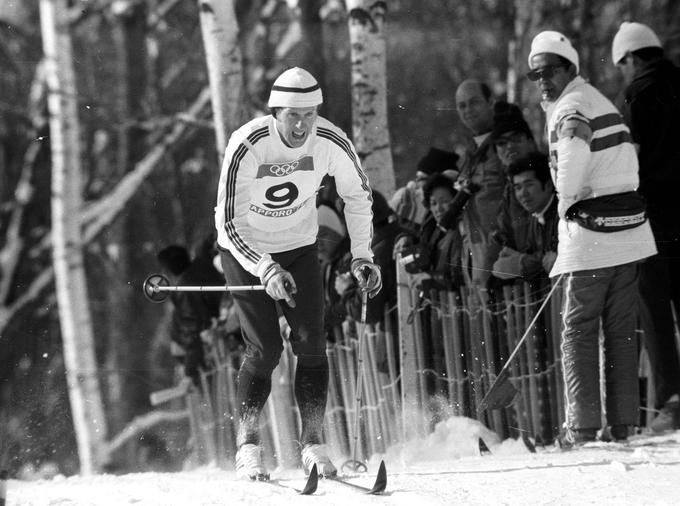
pixel 609 213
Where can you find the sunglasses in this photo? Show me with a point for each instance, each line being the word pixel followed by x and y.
pixel 546 72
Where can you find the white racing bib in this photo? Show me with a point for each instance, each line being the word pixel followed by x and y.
pixel 282 194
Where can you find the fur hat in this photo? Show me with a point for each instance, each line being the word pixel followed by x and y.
pixel 631 37
pixel 295 88
pixel 556 43
pixel 509 119
pixel 437 161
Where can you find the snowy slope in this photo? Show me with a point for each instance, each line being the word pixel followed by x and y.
pixel 443 469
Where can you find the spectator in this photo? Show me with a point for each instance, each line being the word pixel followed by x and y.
pixel 602 237
pixel 482 167
pixel 513 139
pixel 335 258
pixel 534 191
pixel 652 109
pixel 193 311
pixel 443 243
pixel 407 201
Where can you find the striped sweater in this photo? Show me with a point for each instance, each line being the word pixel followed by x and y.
pixel 591 155
pixel 266 198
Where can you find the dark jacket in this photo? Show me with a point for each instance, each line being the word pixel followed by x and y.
pixel 512 225
pixel 652 111
pixel 484 169
pixel 384 235
pixel 194 311
pixel 445 246
pixel 334 307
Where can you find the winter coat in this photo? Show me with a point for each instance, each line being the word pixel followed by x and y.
pixel 444 246
pixel 540 237
pixel 194 311
pixel 652 111
pixel 592 155
pixel 483 168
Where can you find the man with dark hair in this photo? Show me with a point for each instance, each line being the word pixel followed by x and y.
pixel 266 220
pixel 652 110
pixel 512 139
pixel 534 190
pixel 483 169
pixel 603 234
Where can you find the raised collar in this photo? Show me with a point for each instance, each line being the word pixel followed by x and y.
pixel 540 215
pixel 576 81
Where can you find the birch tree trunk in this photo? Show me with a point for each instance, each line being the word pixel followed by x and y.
pixel 369 92
pixel 74 312
pixel 225 69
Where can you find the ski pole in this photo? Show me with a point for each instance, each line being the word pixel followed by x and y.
pixel 354 464
pixel 502 392
pixel 156 287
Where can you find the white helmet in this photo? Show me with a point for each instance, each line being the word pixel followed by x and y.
pixel 295 88
pixel 631 37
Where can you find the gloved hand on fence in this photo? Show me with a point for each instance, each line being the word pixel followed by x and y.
pixel 508 265
pixel 194 362
pixel 548 260
pixel 279 283
pixel 368 276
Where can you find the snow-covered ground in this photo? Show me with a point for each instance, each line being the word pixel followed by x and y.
pixel 443 469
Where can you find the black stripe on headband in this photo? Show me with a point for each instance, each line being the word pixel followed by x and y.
pixel 295 90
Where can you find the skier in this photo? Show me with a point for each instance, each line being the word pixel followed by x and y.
pixel 266 220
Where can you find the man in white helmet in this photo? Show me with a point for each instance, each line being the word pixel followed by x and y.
pixel 602 236
pixel 266 221
pixel 652 111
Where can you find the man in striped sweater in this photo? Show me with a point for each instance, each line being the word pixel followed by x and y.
pixel 602 236
pixel 267 227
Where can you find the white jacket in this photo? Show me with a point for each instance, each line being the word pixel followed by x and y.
pixel 266 198
pixel 591 155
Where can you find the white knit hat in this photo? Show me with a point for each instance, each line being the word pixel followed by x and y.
pixel 295 88
pixel 556 43
pixel 631 37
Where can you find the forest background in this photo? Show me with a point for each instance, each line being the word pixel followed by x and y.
pixel 141 79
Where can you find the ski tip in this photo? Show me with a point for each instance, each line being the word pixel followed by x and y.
pixel 380 480
pixel 312 482
pixel 483 448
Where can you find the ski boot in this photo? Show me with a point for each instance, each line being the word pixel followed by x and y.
pixel 318 454
pixel 249 463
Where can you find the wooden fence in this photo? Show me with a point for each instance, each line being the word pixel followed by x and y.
pixel 435 355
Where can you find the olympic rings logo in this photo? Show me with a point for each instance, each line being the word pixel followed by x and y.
pixel 284 169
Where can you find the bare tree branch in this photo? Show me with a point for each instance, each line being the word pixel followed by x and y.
pixel 98 215
pixel 142 423
pixel 101 213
